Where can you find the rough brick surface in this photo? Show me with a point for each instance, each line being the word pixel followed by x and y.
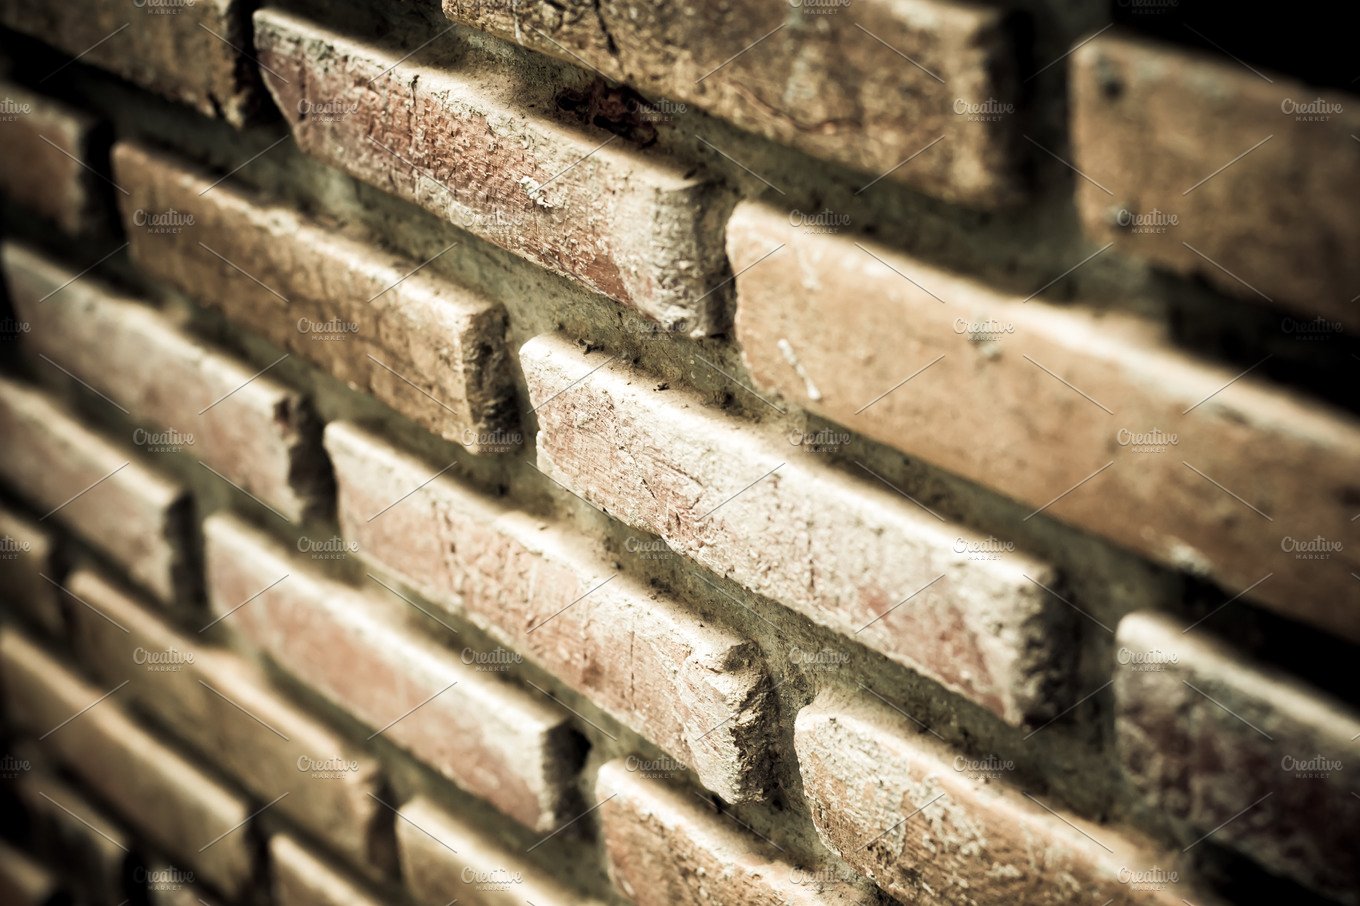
pixel 50 150
pixel 160 793
pixel 1258 186
pixel 429 349
pixel 27 554
pixel 149 43
pixel 667 849
pixel 658 461
pixel 302 879
pixel 442 858
pixel 905 815
pixel 250 428
pixel 696 690
pixel 490 738
pixel 24 882
pixel 121 507
pixel 217 704
pixel 1241 469
pixel 1261 760
pixel 62 825
pixel 829 79
pixel 471 150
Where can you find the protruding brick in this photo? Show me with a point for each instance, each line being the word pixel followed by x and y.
pixel 129 512
pixel 485 150
pixel 442 858
pixel 869 84
pixel 666 848
pixel 255 431
pixel 1096 421
pixel 27 554
pixel 431 350
pixel 94 851
pixel 24 882
pixel 696 690
pixel 153 45
pixel 303 879
pixel 492 739
pixel 222 707
pixel 50 158
pixel 905 814
pixel 1203 166
pixel 718 492
pixel 1255 759
pixel 150 786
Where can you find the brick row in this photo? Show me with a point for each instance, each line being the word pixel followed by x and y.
pixel 27 554
pixel 842 552
pixel 54 153
pixel 695 689
pixel 1095 421
pixel 488 737
pixel 1256 759
pixel 259 434
pixel 868 84
pixel 431 350
pixel 478 149
pixel 127 511
pixel 154 788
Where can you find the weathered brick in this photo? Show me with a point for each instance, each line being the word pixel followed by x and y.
pixel 666 848
pixel 50 152
pixel 62 824
pixel 901 810
pixel 1247 756
pixel 487 152
pixel 442 858
pixel 223 708
pixel 24 882
pixel 718 492
pixel 868 84
pixel 150 44
pixel 258 433
pixel 129 512
pixel 697 690
pixel 303 879
pixel 431 350
pixel 150 786
pixel 1202 166
pixel 27 554
pixel 492 739
pixel 1097 421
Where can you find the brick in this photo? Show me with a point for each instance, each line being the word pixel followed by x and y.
pixel 224 709
pixel 442 858
pixel 27 554
pixel 53 150
pixel 666 848
pixel 715 490
pixel 998 365
pixel 1159 128
pixel 488 737
pixel 431 350
pixel 153 788
pixel 1234 749
pixel 130 513
pixel 902 812
pixel 302 879
pixel 149 44
pixel 66 828
pixel 24 882
pixel 485 150
pixel 696 690
pixel 828 79
pixel 255 431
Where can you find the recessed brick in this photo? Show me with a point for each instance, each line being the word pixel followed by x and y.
pixel 696 690
pixel 431 350
pixel 1097 421
pixel 258 433
pixel 1240 753
pixel 301 878
pixel 62 825
pixel 50 150
pixel 868 84
pixel 124 509
pixel 490 738
pixel 27 554
pixel 840 551
pixel 483 149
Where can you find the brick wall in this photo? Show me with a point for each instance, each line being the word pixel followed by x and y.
pixel 776 452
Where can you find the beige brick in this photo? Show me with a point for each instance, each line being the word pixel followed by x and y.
pixel 301 878
pixel 27 554
pixel 62 825
pixel 50 152
pixel 24 882
pixel 1049 406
